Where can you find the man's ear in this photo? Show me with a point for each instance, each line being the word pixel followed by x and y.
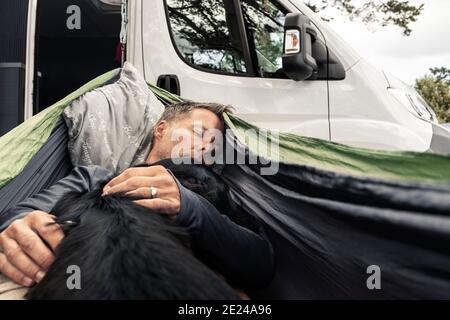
pixel 160 129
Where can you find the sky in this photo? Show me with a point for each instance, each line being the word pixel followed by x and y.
pixel 408 58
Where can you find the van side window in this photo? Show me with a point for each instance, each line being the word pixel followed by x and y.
pixel 206 34
pixel 264 20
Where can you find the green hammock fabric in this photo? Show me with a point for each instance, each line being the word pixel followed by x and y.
pixel 339 158
pixel 18 146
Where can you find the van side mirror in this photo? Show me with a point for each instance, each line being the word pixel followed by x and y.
pixel 298 62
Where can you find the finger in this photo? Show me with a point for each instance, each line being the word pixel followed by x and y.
pixel 35 248
pixel 13 273
pixel 17 258
pixel 146 193
pixel 136 183
pixel 159 205
pixel 133 172
pixel 140 193
pixel 49 231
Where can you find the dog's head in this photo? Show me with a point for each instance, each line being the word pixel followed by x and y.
pixel 199 179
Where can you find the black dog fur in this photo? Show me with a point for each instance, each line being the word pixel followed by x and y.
pixel 125 251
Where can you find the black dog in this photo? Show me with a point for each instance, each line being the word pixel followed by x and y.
pixel 125 251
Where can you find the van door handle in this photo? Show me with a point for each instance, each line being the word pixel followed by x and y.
pixel 169 82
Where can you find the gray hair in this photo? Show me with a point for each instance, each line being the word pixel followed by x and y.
pixel 180 110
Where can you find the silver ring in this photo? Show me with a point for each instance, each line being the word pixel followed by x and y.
pixel 153 192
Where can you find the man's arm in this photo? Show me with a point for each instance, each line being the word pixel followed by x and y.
pixel 81 179
pixel 241 254
pixel 29 240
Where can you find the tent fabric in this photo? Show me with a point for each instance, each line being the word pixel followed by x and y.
pixel 333 212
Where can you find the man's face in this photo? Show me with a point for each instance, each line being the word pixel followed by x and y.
pixel 191 136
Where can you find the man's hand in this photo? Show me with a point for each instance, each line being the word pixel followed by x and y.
pixel 137 182
pixel 24 256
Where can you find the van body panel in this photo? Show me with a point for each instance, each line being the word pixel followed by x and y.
pixel 359 110
pixel 363 113
pixel 282 104
pixel 134 35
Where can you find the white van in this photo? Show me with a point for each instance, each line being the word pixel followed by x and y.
pixel 275 61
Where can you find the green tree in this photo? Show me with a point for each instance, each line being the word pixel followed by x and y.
pixel 435 89
pixel 441 74
pixel 400 13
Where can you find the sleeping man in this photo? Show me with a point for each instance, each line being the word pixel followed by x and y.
pixel 28 240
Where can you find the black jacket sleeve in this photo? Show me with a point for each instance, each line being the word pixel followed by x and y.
pixel 241 255
pixel 81 179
